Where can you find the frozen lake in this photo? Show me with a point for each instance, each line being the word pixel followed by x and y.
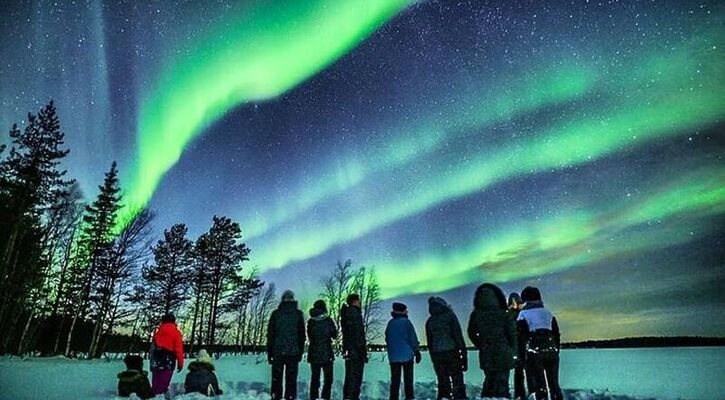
pixel 664 373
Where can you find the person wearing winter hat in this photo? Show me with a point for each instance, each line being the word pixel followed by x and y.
pixel 447 349
pixel 201 377
pixel 134 379
pixel 285 346
pixel 354 346
pixel 167 349
pixel 515 305
pixel 403 348
pixel 539 344
pixel 321 331
pixel 493 332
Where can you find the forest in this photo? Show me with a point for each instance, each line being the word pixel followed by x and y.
pixel 76 282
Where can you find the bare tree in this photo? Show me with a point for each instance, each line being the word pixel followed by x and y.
pixel 260 308
pixel 365 283
pixel 344 280
pixel 125 256
pixel 336 287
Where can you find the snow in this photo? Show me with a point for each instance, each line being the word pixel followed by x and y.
pixel 616 374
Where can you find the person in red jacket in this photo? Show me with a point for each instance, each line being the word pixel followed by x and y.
pixel 167 349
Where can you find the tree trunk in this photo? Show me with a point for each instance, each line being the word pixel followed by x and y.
pixel 57 336
pixel 21 348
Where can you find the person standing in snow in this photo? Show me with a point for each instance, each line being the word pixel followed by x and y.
pixel 321 330
pixel 167 349
pixel 515 305
pixel 539 345
pixel 403 348
pixel 447 349
pixel 133 379
pixel 285 346
pixel 201 377
pixel 493 332
pixel 354 346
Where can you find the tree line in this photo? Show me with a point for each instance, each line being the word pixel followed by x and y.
pixel 73 281
pixel 71 278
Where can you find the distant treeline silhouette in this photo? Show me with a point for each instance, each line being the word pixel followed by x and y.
pixel 648 341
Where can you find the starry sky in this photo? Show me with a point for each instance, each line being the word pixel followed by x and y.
pixel 573 145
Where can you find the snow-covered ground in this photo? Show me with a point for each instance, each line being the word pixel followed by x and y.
pixel 677 373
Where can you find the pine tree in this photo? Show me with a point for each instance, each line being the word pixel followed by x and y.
pixel 167 280
pixel 31 182
pixel 220 254
pixel 94 246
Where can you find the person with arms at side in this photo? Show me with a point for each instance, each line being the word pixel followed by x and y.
pixel 539 345
pixel 134 379
pixel 285 346
pixel 447 349
pixel 201 377
pixel 493 332
pixel 515 305
pixel 321 331
pixel 403 348
pixel 354 346
pixel 167 349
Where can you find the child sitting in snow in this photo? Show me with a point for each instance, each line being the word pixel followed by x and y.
pixel 201 377
pixel 134 379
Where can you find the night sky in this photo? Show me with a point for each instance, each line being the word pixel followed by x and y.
pixel 577 146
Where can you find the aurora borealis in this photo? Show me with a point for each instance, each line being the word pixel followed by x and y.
pixel 578 147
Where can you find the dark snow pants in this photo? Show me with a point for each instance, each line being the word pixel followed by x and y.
pixel 353 378
pixel 519 388
pixel 288 367
pixel 326 370
pixel 496 384
pixel 543 368
pixel 407 371
pixel 449 373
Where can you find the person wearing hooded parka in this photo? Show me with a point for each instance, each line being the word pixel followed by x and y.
pixel 201 377
pixel 321 331
pixel 447 349
pixel 493 332
pixel 285 346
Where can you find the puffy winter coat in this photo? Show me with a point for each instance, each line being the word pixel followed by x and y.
pixel 134 381
pixel 401 339
pixel 286 331
pixel 202 379
pixel 321 331
pixel 168 337
pixel 443 331
pixel 354 344
pixel 538 329
pixel 492 330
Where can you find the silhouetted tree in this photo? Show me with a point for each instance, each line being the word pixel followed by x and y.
pixel 94 248
pixel 31 182
pixel 220 253
pixel 167 280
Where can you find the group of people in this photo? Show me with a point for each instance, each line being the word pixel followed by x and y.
pixel 167 351
pixel 520 334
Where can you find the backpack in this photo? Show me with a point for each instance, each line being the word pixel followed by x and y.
pixel 161 359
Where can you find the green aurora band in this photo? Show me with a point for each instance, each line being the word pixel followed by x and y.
pixel 670 91
pixel 672 212
pixel 513 97
pixel 269 50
